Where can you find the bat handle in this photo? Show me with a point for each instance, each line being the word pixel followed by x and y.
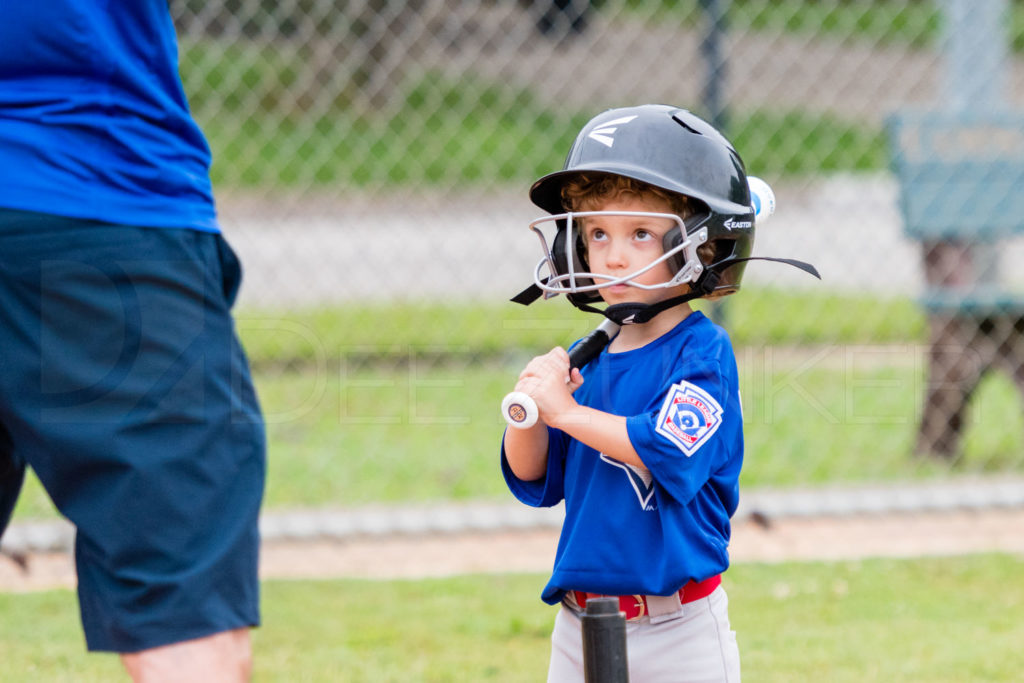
pixel 520 410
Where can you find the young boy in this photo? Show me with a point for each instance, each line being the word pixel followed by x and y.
pixel 645 444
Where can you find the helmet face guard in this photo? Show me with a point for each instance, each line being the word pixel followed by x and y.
pixel 567 270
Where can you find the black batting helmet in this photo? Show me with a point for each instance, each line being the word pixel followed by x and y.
pixel 674 150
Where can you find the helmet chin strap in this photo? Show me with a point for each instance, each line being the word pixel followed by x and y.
pixel 637 313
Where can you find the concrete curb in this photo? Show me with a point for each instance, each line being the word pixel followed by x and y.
pixel 428 519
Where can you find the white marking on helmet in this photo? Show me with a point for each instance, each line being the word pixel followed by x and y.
pixel 605 132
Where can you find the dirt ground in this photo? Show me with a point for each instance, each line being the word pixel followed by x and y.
pixel 754 540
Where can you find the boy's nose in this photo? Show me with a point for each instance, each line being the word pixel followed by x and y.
pixel 616 254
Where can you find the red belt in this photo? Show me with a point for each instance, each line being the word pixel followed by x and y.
pixel 635 606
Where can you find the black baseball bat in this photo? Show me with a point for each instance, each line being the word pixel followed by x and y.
pixel 519 408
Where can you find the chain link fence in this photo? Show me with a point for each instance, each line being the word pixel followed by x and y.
pixel 371 162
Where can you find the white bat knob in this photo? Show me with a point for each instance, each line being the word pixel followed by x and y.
pixel 519 410
pixel 762 199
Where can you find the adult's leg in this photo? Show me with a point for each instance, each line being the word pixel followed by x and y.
pixel 957 358
pixel 220 658
pixel 1010 355
pixel 12 475
pixel 954 364
pixel 136 410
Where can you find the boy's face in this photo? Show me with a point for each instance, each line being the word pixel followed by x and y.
pixel 620 245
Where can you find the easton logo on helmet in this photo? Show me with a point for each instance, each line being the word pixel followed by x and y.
pixel 604 133
pixel 733 224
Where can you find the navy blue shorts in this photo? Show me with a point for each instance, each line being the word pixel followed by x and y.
pixel 123 386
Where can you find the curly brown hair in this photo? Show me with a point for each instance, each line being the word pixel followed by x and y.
pixel 589 191
pixel 586 191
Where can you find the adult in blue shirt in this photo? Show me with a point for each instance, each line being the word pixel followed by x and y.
pixel 122 382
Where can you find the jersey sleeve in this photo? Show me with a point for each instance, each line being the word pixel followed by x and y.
pixel 549 490
pixel 691 431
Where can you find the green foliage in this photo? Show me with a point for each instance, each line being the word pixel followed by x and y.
pixel 916 23
pixel 483 147
pixel 1017 26
pixel 261 102
pixel 783 143
pixel 447 132
pixel 913 23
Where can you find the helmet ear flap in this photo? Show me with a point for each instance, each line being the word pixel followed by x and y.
pixel 674 237
pixel 579 260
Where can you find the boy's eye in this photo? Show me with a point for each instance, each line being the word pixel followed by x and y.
pixel 644 235
pixel 597 235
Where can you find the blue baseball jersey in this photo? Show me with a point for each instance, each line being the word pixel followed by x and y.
pixel 648 531
pixel 93 118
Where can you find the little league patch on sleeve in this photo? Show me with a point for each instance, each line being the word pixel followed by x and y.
pixel 689 416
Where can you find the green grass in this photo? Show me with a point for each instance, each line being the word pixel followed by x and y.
pixel 880 620
pixel 931 620
pixel 814 423
pixel 362 412
pixel 404 330
pixel 429 430
pixel 302 337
